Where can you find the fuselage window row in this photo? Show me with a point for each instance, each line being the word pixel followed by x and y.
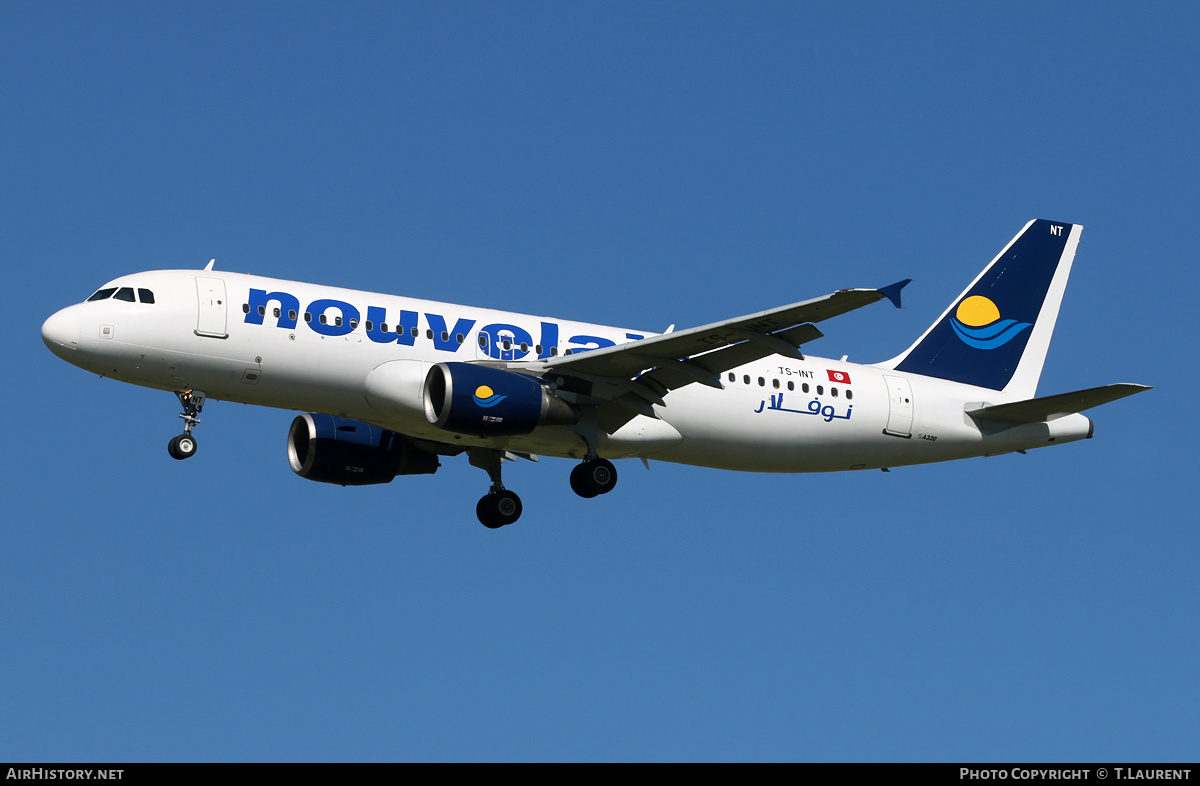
pixel 762 382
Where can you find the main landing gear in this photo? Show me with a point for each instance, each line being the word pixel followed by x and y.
pixel 499 507
pixel 184 446
pixel 595 476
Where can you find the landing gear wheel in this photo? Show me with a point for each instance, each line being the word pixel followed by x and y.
pixel 498 509
pixel 593 477
pixel 181 447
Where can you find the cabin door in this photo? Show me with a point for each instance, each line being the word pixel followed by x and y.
pixel 900 407
pixel 210 294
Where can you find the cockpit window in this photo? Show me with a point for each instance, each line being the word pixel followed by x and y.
pixel 103 294
pixel 124 293
pixel 145 295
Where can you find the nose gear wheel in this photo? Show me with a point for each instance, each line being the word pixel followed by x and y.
pixel 184 446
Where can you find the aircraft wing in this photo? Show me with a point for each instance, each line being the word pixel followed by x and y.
pixel 700 354
pixel 1037 410
pixel 639 373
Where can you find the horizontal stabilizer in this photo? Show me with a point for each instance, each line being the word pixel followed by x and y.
pixel 1039 410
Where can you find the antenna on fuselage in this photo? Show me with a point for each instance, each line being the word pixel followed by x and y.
pixel 211 262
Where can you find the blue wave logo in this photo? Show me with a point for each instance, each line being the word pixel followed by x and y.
pixel 486 397
pixel 977 322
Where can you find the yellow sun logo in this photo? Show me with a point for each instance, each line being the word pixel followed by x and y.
pixel 977 322
pixel 977 311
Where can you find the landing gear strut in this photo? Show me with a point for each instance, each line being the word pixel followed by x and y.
pixel 499 507
pixel 184 446
pixel 593 477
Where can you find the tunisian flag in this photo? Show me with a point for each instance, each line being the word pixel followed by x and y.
pixel 838 376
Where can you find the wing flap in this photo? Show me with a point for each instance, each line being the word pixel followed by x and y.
pixel 1039 410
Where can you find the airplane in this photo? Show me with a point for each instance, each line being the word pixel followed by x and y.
pixel 389 385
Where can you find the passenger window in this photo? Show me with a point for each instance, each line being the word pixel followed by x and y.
pixel 245 308
pixel 262 311
pixel 833 392
pixel 524 347
pixel 145 295
pixel 459 337
pixel 483 340
pixel 276 313
pixel 745 379
pixel 804 387
pixel 370 326
pixel 538 349
pixel 732 377
pixel 103 294
pixel 124 293
pixel 849 393
pixel 775 384
pixel 292 314
pixel 791 386
pixel 553 351
pixel 322 319
pixel 415 332
pixel 308 316
pixel 820 390
pixel 445 335
pixel 762 382
pixel 429 334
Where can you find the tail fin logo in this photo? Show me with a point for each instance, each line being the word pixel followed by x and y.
pixel 486 397
pixel 978 324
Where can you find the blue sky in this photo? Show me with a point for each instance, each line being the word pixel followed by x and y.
pixel 629 164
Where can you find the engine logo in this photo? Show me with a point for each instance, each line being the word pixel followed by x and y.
pixel 486 397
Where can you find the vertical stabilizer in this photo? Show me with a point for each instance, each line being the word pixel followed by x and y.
pixel 996 333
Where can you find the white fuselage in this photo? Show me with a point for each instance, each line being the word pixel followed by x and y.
pixel 204 332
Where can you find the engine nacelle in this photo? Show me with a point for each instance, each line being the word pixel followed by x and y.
pixel 330 449
pixel 491 402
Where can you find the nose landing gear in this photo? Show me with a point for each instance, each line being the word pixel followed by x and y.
pixel 181 447
pixel 184 446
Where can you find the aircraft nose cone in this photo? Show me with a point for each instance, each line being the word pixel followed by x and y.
pixel 61 333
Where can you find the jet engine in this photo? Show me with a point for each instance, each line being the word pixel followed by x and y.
pixel 491 402
pixel 330 449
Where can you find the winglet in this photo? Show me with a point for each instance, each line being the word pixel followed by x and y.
pixel 210 264
pixel 892 291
